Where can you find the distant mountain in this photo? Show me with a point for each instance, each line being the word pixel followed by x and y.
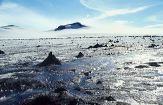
pixel 76 25
pixel 9 27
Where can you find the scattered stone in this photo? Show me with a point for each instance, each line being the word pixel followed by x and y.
pixel 128 63
pixel 122 103
pixel 80 55
pixel 97 46
pixel 77 88
pixel 99 82
pixel 73 102
pixel 8 84
pixel 55 100
pixel 41 100
pixel 2 52
pixel 112 45
pixel 92 103
pixel 109 98
pixel 160 85
pixel 141 66
pixel 153 46
pixel 60 90
pixel 89 92
pixel 51 59
pixel 154 64
pixel 110 40
pixel 86 73
pixel 38 46
pixel 126 68
pixel 117 41
pixel 73 70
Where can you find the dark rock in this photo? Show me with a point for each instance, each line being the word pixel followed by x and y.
pixel 93 103
pixel 99 82
pixel 2 52
pixel 38 46
pixel 97 46
pixel 73 70
pixel 77 88
pixel 55 100
pixel 122 103
pixel 60 90
pixel 51 59
pixel 152 46
pixel 126 68
pixel 73 102
pixel 86 73
pixel 116 41
pixel 19 84
pixel 89 92
pixel 80 55
pixel 110 40
pixel 109 98
pixel 154 64
pixel 160 85
pixel 141 66
pixel 112 45
pixel 41 100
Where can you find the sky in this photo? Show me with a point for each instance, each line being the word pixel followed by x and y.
pixel 116 16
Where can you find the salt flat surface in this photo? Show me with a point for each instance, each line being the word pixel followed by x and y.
pixel 122 67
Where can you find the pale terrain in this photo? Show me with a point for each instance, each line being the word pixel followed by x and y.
pixel 127 68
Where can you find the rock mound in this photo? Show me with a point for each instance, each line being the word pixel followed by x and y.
pixel 51 59
pixel 80 55
pixel 153 46
pixel 154 64
pixel 2 52
pixel 97 46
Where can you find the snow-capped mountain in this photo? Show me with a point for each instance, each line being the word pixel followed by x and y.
pixel 76 25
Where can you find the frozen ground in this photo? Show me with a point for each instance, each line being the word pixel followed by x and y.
pixel 129 69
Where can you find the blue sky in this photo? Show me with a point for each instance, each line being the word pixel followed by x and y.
pixel 104 15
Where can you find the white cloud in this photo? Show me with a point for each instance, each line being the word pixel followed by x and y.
pixel 120 26
pixel 104 13
pixel 124 27
pixel 155 26
pixel 12 13
pixel 152 18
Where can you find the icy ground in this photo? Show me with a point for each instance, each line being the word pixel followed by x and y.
pixel 129 69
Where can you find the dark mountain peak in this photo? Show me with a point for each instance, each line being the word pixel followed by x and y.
pixel 8 26
pixel 76 25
